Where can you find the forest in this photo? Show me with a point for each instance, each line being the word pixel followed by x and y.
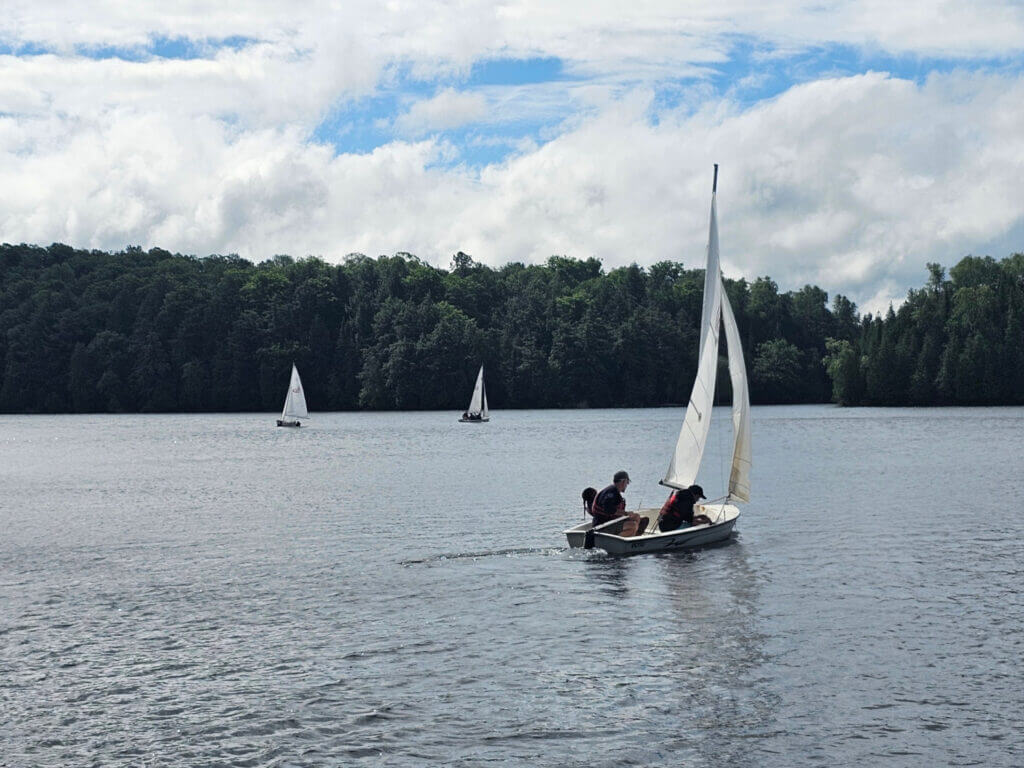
pixel 152 331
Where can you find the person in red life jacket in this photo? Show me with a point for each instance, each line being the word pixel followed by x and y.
pixel 677 511
pixel 610 504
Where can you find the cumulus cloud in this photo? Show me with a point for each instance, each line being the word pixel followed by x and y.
pixel 259 85
pixel 438 35
pixel 849 182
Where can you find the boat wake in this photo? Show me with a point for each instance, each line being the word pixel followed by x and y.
pixel 480 555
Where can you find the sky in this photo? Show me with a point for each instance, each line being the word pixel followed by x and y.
pixel 857 141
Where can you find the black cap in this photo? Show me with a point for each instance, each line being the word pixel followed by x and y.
pixel 620 475
pixel 697 491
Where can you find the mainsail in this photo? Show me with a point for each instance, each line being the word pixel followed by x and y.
pixel 478 403
pixel 295 402
pixel 685 462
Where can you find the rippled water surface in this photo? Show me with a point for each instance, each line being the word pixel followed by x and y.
pixel 394 589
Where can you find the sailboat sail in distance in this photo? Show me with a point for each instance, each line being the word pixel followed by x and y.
pixel 294 403
pixel 477 412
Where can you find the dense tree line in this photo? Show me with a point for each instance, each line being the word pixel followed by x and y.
pixel 957 341
pixel 92 331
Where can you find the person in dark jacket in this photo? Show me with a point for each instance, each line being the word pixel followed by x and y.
pixel 678 511
pixel 610 504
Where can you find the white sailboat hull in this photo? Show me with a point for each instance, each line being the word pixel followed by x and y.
pixel 724 517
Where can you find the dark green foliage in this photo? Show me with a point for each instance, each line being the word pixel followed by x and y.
pixel 154 331
pixel 954 342
pixel 777 372
pixel 843 365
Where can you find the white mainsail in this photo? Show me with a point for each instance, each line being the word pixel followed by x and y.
pixel 295 401
pixel 717 311
pixel 682 470
pixel 478 403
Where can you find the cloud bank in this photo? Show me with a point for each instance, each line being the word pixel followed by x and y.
pixel 200 129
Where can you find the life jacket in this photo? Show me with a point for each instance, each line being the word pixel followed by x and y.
pixel 673 512
pixel 599 513
pixel 670 510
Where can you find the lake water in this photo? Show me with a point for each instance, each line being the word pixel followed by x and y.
pixel 394 590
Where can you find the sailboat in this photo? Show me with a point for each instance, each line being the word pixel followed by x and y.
pixel 294 403
pixel 477 411
pixel 716 315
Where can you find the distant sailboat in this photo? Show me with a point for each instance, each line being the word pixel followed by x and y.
pixel 294 403
pixel 686 459
pixel 477 411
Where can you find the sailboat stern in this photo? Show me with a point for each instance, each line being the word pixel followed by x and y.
pixel 577 535
pixel 582 535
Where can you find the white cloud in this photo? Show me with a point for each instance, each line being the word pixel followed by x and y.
pixel 260 84
pixel 852 183
pixel 446 109
pixel 439 35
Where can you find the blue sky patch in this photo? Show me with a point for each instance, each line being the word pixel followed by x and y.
pixel 158 47
pixel 515 72
pixel 361 125
pixel 25 49
pixel 754 73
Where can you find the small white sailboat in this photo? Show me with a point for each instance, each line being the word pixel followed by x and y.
pixel 686 459
pixel 477 412
pixel 294 403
